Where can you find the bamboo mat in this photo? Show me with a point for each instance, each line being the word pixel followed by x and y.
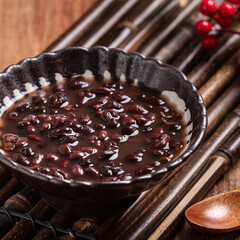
pixel 165 30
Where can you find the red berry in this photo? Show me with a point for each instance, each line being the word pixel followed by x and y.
pixel 224 22
pixel 208 7
pixel 226 10
pixel 202 27
pixel 209 42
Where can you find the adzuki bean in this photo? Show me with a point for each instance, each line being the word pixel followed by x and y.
pixel 90 130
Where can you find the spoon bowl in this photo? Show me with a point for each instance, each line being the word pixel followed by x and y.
pixel 217 214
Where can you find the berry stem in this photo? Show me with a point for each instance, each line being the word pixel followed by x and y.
pixel 226 30
pixel 234 2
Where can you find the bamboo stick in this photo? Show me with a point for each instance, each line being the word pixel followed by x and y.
pixel 12 186
pixel 21 202
pixel 149 51
pixel 220 79
pixel 170 50
pixel 141 227
pixel 24 229
pixel 134 25
pixel 136 40
pixel 220 163
pixel 223 105
pixel 109 24
pixel 179 39
pixel 208 66
pixel 4 176
pixel 58 220
pixel 189 56
pixel 84 225
pixel 72 35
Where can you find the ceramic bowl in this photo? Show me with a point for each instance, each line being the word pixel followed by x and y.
pixel 88 198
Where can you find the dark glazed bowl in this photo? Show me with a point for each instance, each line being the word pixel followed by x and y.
pixel 101 197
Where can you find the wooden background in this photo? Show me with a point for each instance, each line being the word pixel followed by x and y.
pixel 29 26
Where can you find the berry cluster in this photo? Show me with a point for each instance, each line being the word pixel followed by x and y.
pixel 223 15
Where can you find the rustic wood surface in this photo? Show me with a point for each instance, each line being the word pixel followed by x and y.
pixel 29 26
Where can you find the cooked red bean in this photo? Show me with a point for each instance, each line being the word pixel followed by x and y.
pixel 73 84
pixel 87 129
pixel 58 173
pixel 57 99
pixel 77 170
pixel 127 120
pixel 39 109
pixel 22 142
pixel 52 157
pixel 116 106
pixel 140 118
pixel 9 141
pixel 65 164
pixel 134 157
pixel 136 108
pixel 157 133
pixel 92 171
pixel 144 170
pixel 90 150
pixel 34 137
pixel 31 129
pixel 23 106
pixel 39 99
pixel 165 159
pixel 121 97
pixel 85 162
pixel 103 135
pixel 22 124
pixel 99 126
pixel 126 176
pixel 102 90
pixel 65 149
pixel 129 131
pixel 176 144
pixel 77 155
pixel 68 139
pixel 157 152
pixel 27 151
pixel 110 179
pixel 85 119
pixel 38 159
pixel 93 131
pixel 119 137
pixel 20 158
pixel 151 99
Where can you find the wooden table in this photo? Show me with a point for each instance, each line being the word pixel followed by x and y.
pixel 29 26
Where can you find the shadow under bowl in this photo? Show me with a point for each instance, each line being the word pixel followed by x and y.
pixel 93 198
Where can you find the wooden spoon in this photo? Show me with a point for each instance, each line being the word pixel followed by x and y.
pixel 217 214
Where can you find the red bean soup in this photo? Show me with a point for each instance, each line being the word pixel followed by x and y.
pixel 93 130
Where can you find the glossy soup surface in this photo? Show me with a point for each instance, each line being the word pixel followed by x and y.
pixel 91 130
